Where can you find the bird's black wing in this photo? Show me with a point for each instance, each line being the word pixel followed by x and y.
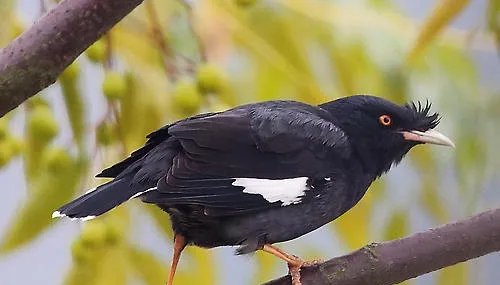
pixel 248 158
pixel 154 139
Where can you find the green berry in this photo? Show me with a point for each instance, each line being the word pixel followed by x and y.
pixel 80 252
pixel 210 78
pixel 113 235
pixel 57 159
pixel 42 125
pixel 94 234
pixel 186 96
pixel 114 86
pixel 96 52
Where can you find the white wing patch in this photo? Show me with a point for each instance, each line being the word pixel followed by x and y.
pixel 288 191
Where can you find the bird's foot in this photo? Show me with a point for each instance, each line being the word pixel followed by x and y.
pixel 294 271
pixel 296 265
pixel 294 262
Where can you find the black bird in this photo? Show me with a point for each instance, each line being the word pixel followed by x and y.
pixel 263 173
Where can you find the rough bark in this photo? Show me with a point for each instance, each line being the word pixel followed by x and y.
pixel 35 59
pixel 398 260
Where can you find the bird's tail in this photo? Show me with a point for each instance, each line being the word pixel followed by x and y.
pixel 99 200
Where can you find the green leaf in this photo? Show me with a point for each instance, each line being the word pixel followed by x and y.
pixel 113 268
pixel 355 70
pixel 493 16
pixel 160 218
pixel 456 275
pixel 108 266
pixel 131 45
pixel 353 226
pixel 7 21
pixel 140 102
pixel 471 162
pixel 204 271
pixel 40 129
pixel 80 275
pixel 54 187
pixel 431 201
pixel 149 268
pixel 270 83
pixel 247 34
pixel 397 226
pixel 75 106
pixel 266 266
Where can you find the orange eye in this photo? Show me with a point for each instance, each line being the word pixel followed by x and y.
pixel 385 120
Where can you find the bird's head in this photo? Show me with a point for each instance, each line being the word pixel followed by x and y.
pixel 382 132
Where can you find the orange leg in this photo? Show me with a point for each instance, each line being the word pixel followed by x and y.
pixel 294 263
pixel 179 245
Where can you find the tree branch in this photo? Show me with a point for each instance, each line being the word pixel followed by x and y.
pixel 395 261
pixel 35 59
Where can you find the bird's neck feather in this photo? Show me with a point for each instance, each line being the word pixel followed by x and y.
pixel 377 162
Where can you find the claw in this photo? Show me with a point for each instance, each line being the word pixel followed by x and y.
pixel 294 262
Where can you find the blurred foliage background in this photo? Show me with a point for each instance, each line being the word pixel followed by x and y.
pixel 170 59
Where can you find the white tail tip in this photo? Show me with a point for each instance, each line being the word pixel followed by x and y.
pixel 57 214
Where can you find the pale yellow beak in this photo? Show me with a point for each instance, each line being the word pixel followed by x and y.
pixel 431 136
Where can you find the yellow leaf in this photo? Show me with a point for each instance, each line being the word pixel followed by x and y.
pixel 442 14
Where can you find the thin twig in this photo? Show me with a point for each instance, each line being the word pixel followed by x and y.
pixel 119 133
pixel 189 10
pixel 108 61
pixel 158 37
